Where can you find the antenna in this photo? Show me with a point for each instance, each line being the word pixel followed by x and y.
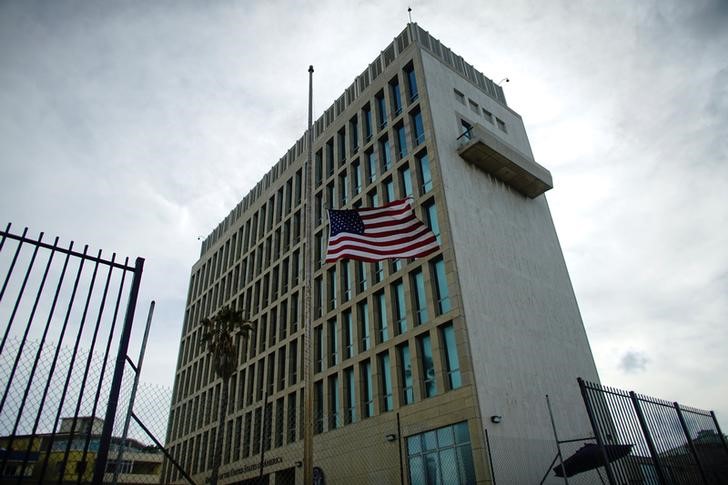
pixel 409 13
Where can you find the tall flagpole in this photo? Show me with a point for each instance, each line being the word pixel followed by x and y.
pixel 307 310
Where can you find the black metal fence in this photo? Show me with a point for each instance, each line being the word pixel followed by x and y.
pixel 58 409
pixel 670 443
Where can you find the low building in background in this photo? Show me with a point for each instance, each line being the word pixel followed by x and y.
pixel 71 454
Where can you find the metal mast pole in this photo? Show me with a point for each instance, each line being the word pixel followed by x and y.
pixel 307 300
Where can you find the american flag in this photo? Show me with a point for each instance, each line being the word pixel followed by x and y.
pixel 376 233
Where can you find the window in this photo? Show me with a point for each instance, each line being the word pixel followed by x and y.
pixel 401 141
pixel 419 297
pixel 332 289
pixel 349 349
pixel 442 455
pixel 408 393
pixel 319 208
pixel 432 223
pixel 423 163
pixel 405 178
pixel 488 116
pixel 354 134
pixel 389 194
pixel 396 96
pixel 291 417
pixel 372 165
pixel 381 110
pixel 382 324
pixel 346 281
pixel 400 309
pixel 333 343
pixel 386 384
pixel 334 402
pixel 373 198
pixel 501 125
pixel 474 106
pixel 318 407
pixel 363 309
pixel 367 394
pixel 318 346
pixel 467 130
pixel 349 396
pixel 460 97
pixel 443 296
pixel 367 117
pixel 341 138
pixel 343 190
pixel 428 365
pixel 330 157
pixel 451 356
pixel 386 153
pixel 356 177
pixel 378 271
pixel 362 268
pixel 409 72
pixel 318 297
pixel 318 167
pixel 418 128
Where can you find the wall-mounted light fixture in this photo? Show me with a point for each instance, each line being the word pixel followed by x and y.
pixel 298 464
pixel 496 419
pixel 390 437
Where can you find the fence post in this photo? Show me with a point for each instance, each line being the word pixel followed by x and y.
pixel 104 445
pixel 648 437
pixel 597 431
pixel 720 433
pixel 691 445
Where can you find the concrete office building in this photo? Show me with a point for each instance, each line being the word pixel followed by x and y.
pixel 452 354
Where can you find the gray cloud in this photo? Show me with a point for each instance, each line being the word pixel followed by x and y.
pixel 633 361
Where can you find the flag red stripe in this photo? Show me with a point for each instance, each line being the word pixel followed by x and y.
pixel 391 231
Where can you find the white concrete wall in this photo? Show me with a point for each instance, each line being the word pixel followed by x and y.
pixel 525 331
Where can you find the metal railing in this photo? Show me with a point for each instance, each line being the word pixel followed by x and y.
pixel 671 443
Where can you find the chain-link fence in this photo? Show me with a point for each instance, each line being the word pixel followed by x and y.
pixel 57 437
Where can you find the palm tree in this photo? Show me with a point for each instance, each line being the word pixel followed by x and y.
pixel 220 333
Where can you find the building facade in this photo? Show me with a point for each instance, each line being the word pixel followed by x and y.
pixel 422 368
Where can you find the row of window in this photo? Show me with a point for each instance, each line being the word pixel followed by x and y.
pixel 368 388
pixel 289 194
pixel 489 117
pixel 239 271
pixel 357 392
pixel 367 321
pixel 285 275
pixel 391 145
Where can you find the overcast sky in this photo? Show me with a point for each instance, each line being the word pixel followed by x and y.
pixel 137 126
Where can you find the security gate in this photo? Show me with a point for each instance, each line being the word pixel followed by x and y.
pixel 64 339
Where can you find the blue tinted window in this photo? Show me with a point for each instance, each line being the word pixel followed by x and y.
pixel 423 162
pixel 443 296
pixel 420 300
pixel 385 370
pixel 433 457
pixel 396 97
pixel 406 178
pixel 402 141
pixel 408 394
pixel 419 128
pixel 451 357
pixel 411 82
pixel 428 366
